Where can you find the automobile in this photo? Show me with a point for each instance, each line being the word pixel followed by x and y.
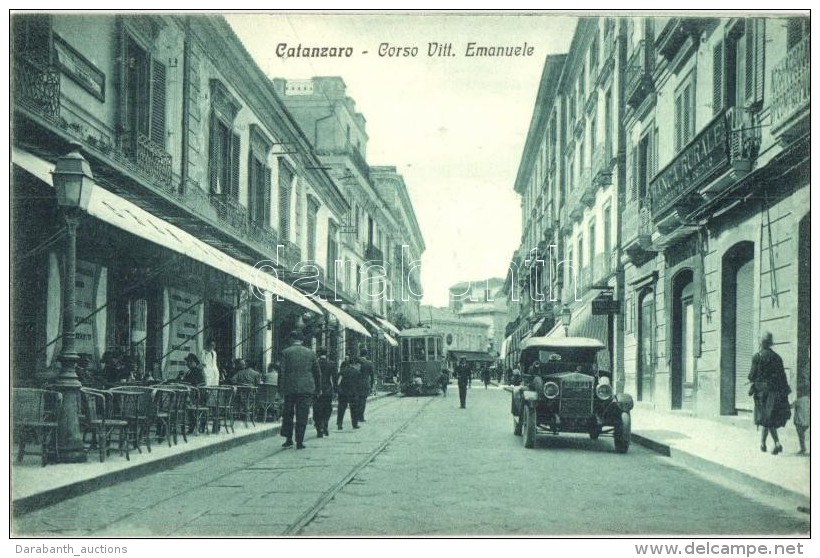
pixel 567 386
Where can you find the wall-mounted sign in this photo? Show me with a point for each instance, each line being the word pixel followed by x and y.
pixel 603 305
pixel 79 68
pixel 449 338
pixel 699 161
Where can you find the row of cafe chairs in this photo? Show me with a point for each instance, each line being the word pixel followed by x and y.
pixel 123 417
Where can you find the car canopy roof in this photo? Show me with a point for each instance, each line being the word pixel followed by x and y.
pixel 561 343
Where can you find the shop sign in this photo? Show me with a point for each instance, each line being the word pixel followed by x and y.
pixel 603 305
pixel 700 159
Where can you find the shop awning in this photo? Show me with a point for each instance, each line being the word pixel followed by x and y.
pixel 390 340
pixel 389 326
pixel 123 214
pixel 503 352
pixel 346 320
pixel 471 356
pixel 369 321
pixel 583 323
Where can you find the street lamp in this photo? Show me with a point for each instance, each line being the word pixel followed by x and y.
pixel 73 183
pixel 566 319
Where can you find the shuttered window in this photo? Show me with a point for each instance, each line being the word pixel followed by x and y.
pixel 633 173
pixel 144 94
pixel 684 114
pixel 718 85
pixel 285 187
pixel 223 164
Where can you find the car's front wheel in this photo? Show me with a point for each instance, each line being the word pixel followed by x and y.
pixel 623 433
pixel 529 426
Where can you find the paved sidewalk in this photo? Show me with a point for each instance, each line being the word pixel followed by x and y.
pixel 725 445
pixel 34 486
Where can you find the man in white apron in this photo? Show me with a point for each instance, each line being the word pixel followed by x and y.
pixel 209 366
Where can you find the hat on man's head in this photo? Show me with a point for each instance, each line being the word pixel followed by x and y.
pixel 191 357
pixel 363 352
pixel 239 363
pixel 321 351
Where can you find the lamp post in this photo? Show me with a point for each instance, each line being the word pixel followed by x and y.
pixel 73 183
pixel 566 319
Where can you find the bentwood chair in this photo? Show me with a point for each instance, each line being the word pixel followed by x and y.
pixel 34 417
pixel 219 400
pixel 268 401
pixel 134 406
pixel 97 419
pixel 165 407
pixel 185 394
pixel 244 404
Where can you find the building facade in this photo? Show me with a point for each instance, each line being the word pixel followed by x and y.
pixel 681 189
pixel 482 301
pixel 208 197
pixel 716 217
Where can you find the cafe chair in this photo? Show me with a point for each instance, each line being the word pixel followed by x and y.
pixel 34 418
pixel 97 419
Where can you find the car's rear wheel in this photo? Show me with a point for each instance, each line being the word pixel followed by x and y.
pixel 623 433
pixel 529 426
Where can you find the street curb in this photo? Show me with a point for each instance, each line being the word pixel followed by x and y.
pixel 34 502
pixel 723 471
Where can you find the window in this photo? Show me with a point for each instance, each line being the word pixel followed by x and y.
pixel 32 36
pixel 224 145
pixel 259 179
pixel 684 113
pixel 737 66
pixel 608 123
pixel 796 29
pixel 593 133
pixel 332 250
pixel 592 241
pixel 581 251
pixel 142 110
pixel 593 53
pixel 313 210
pixel 607 229
pixel 285 187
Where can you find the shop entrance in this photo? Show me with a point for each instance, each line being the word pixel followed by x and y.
pixel 803 306
pixel 219 326
pixel 646 346
pixel 737 336
pixel 683 337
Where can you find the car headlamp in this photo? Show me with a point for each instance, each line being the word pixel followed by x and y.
pixel 604 389
pixel 551 390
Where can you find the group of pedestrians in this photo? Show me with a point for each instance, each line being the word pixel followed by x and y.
pixel 306 378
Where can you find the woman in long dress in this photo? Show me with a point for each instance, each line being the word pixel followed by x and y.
pixel 770 390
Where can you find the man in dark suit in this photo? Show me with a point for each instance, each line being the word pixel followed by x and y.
pixel 366 383
pixel 349 381
pixel 323 406
pixel 464 374
pixel 298 380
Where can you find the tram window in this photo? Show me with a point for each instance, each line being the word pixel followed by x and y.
pixel 418 349
pixel 431 348
pixel 405 350
pixel 439 350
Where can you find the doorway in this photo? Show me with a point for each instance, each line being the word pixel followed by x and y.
pixel 219 326
pixel 803 306
pixel 646 346
pixel 737 335
pixel 683 340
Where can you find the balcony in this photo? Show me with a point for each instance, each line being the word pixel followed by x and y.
pixel 373 255
pixel 791 95
pixel 602 164
pixel 608 54
pixel 637 233
pixel 353 154
pixel 149 158
pixel 37 87
pixel 744 146
pixel 289 253
pixel 231 214
pixel 676 32
pixel 638 74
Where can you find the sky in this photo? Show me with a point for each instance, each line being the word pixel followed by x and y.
pixel 453 126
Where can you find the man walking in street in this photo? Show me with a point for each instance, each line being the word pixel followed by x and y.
pixel 366 383
pixel 350 378
pixel 464 374
pixel 298 381
pixel 323 406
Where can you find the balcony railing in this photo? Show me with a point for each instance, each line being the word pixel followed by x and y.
pixel 791 86
pixel 675 33
pixel 744 139
pixel 37 87
pixel 231 213
pixel 150 158
pixel 602 164
pixel 290 252
pixel 638 74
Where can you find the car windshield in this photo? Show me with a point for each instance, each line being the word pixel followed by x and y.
pixel 554 360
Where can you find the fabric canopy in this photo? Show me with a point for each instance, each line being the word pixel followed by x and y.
pixel 388 325
pixel 504 344
pixel 123 214
pixel 345 319
pixel 390 340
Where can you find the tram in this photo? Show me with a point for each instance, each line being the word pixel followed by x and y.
pixel 422 359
